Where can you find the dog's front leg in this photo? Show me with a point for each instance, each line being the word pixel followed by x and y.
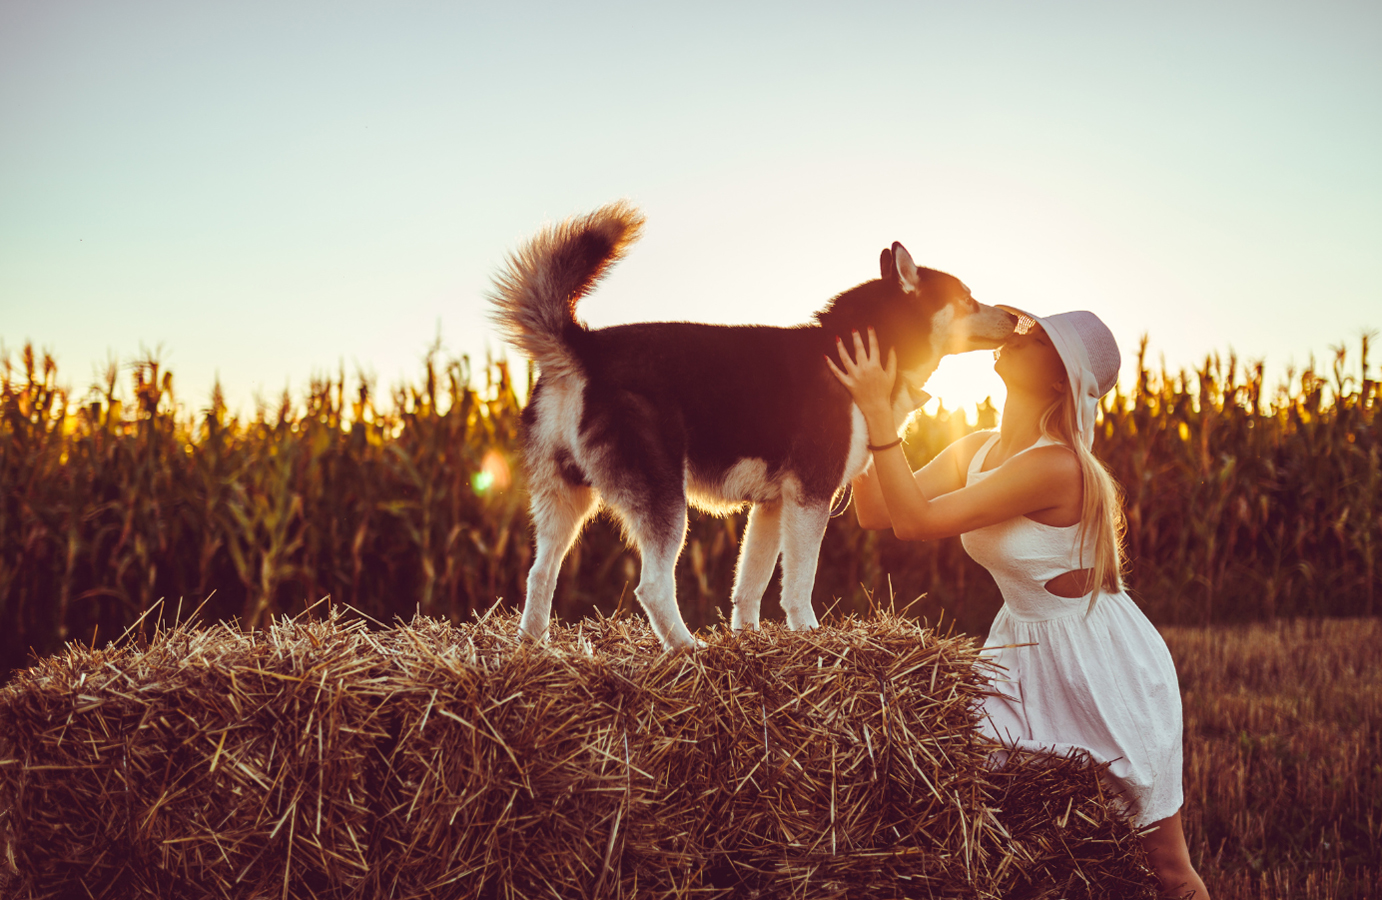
pixel 803 528
pixel 758 554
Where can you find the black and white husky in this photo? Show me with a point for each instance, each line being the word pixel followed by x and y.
pixel 645 419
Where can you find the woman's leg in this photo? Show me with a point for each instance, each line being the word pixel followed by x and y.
pixel 1170 860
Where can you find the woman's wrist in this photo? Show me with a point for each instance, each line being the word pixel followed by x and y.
pixel 877 410
pixel 880 426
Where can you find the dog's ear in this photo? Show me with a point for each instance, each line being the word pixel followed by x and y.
pixel 906 269
pixel 885 264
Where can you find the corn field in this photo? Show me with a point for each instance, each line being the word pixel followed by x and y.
pixel 1244 503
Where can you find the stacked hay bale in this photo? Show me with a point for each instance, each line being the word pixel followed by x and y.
pixel 320 759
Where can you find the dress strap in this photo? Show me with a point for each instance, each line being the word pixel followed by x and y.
pixel 980 455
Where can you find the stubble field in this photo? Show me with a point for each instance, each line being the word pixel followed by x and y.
pixel 1283 766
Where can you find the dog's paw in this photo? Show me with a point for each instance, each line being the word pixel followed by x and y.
pixel 696 645
pixel 528 637
pixel 744 619
pixel 683 643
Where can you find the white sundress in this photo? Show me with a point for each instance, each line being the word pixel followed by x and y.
pixel 1098 679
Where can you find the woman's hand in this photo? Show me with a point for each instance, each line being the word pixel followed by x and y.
pixel 868 380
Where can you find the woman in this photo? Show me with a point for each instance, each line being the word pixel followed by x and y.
pixel 1038 511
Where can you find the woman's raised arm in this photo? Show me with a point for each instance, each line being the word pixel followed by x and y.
pixel 1039 480
pixel 943 474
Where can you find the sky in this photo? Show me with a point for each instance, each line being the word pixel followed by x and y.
pixel 261 192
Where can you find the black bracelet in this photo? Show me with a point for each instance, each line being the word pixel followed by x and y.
pixel 888 446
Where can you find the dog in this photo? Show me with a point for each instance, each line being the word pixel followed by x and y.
pixel 648 419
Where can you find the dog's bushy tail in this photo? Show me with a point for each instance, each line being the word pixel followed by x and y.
pixel 535 294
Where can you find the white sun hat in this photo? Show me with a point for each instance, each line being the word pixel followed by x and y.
pixel 1090 354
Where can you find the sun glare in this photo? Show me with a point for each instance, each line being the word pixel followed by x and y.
pixel 963 382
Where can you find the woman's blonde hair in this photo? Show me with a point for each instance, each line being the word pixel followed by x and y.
pixel 1103 523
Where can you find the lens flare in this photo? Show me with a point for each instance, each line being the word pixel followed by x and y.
pixel 494 474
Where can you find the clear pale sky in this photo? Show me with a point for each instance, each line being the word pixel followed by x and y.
pixel 272 190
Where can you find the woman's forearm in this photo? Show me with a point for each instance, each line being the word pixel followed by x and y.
pixel 869 506
pixel 870 383
pixel 894 481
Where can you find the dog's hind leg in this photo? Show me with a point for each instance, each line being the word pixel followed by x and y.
pixel 653 511
pixel 559 509
pixel 640 475
pixel 659 538
pixel 803 528
pixel 758 554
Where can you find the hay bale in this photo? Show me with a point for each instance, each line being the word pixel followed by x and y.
pixel 320 759
pixel 210 762
pixel 1066 836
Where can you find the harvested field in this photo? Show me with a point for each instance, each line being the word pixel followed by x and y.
pixel 319 758
pixel 1283 769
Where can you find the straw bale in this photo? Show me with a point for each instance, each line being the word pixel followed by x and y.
pixel 210 757
pixel 1069 837
pixel 318 758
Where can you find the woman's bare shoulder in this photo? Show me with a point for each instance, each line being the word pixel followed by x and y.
pixel 1048 461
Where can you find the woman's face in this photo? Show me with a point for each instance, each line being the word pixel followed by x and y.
pixel 1029 361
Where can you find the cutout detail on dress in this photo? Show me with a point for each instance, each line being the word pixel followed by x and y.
pixel 1072 585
